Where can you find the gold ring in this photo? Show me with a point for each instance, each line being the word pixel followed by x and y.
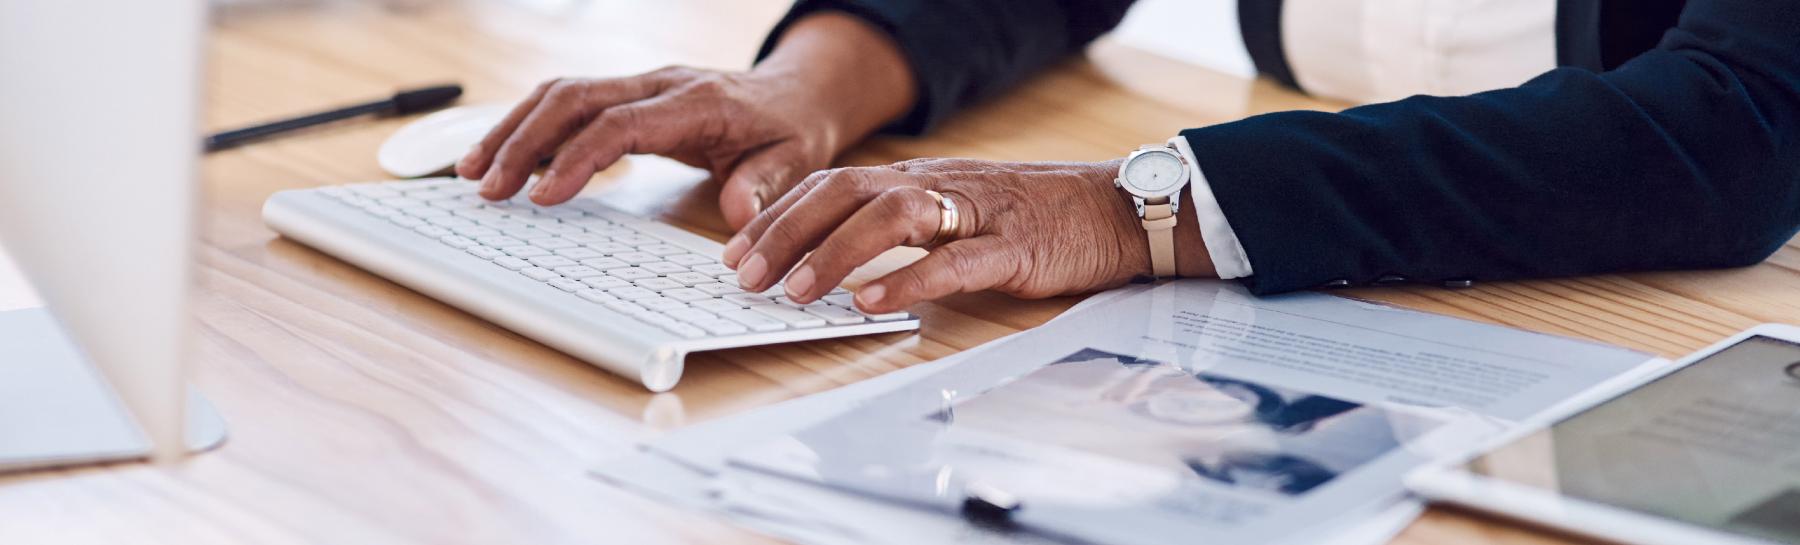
pixel 949 219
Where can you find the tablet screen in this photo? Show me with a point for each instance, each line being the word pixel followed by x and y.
pixel 1714 444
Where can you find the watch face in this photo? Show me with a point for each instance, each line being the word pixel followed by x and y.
pixel 1154 173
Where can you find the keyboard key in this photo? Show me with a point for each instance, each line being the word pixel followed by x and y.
pixel 539 273
pixel 577 253
pixel 373 191
pixel 485 252
pixel 407 221
pixel 557 243
pixel 595 295
pixel 729 279
pixel 714 269
pixel 717 289
pixel 401 202
pixel 500 241
pixel 686 294
pixel 691 314
pixel 690 260
pixel 720 327
pixel 658 283
pixel 604 263
pixel 630 273
pixel 716 305
pixel 632 293
pixel 637 257
pixel 503 224
pixel 691 278
pixel 680 328
pixel 525 251
pixel 511 263
pixel 609 248
pixel 425 212
pixel 458 242
pixel 845 300
pixel 380 211
pixel 612 231
pixel 432 231
pixel 604 282
pixel 637 240
pixel 663 267
pixel 588 238
pixel 562 228
pixel 660 303
pixel 746 299
pixel 578 272
pixel 551 261
pixel 527 233
pixel 476 231
pixel 789 315
pixel 566 284
pixel 625 307
pixel 450 222
pixel 834 315
pixel 663 249
pixel 754 320
pixel 889 317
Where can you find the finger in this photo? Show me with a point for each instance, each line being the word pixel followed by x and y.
pixel 757 179
pixel 740 243
pixel 656 125
pixel 902 216
pixel 932 165
pixel 958 267
pixel 813 216
pixel 475 164
pixel 565 109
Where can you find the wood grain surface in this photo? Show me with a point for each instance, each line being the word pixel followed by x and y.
pixel 362 412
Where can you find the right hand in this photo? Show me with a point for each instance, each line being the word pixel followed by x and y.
pixel 755 133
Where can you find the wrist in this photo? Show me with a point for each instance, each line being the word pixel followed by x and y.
pixel 845 76
pixel 1192 259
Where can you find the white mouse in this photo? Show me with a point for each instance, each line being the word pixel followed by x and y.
pixel 432 145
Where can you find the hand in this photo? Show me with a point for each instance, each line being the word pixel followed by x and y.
pixel 830 82
pixel 1028 229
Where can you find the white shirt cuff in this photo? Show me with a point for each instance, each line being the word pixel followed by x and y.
pixel 1221 242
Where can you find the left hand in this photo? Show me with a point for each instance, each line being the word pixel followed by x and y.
pixel 1028 229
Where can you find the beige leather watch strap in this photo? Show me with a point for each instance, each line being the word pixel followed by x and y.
pixel 1159 225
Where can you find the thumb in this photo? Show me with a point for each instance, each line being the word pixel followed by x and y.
pixel 757 181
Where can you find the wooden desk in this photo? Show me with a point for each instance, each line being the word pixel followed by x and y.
pixel 362 412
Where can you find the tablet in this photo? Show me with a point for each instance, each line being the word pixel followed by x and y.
pixel 1703 451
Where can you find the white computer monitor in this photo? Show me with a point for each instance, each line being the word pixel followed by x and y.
pixel 98 153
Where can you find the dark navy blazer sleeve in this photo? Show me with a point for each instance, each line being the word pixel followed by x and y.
pixel 1687 156
pixel 962 51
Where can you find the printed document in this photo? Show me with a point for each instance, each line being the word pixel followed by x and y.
pixel 1188 412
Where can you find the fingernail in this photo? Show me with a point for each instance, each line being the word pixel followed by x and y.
pixel 487 182
pixel 735 248
pixel 870 295
pixel 756 203
pixel 751 274
pixel 799 283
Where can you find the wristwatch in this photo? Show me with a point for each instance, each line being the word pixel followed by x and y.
pixel 1154 175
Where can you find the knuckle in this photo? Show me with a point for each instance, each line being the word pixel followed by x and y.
pixel 621 118
pixel 909 281
pixel 783 235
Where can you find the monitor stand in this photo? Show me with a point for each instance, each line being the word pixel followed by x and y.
pixel 56 409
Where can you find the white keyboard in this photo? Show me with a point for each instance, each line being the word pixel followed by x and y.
pixel 631 295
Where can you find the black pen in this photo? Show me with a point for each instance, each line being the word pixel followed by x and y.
pixel 402 103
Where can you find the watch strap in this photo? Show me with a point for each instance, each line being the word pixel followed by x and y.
pixel 1159 226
